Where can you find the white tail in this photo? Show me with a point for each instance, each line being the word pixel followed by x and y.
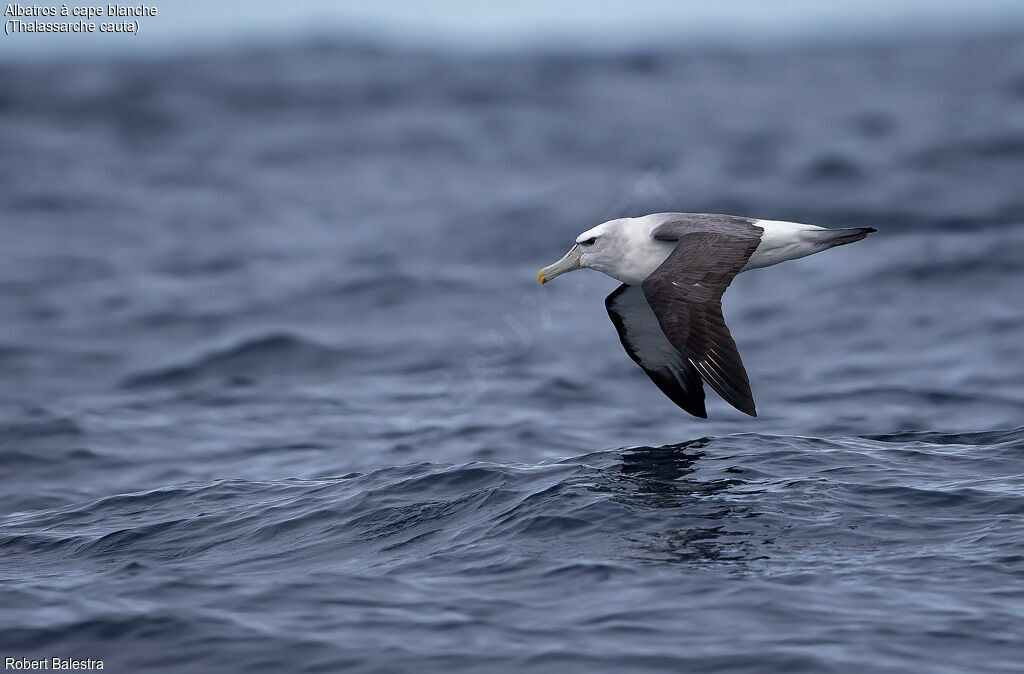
pixel 784 241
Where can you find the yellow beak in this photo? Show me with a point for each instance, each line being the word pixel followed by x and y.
pixel 568 263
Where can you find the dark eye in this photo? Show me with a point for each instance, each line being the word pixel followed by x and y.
pixel 589 242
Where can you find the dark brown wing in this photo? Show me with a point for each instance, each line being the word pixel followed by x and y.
pixel 646 344
pixel 674 225
pixel 685 293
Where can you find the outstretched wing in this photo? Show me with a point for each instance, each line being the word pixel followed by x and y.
pixel 685 293
pixel 646 344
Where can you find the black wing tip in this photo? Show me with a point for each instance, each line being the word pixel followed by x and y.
pixel 745 406
pixel 702 413
pixel 691 402
pixel 699 412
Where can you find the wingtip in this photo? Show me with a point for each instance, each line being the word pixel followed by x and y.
pixel 688 406
pixel 745 406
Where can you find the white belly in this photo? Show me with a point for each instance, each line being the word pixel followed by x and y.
pixel 642 260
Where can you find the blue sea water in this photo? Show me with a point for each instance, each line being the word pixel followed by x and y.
pixel 280 393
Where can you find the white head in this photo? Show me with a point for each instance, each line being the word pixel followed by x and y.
pixel 595 249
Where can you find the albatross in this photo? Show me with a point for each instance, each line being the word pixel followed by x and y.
pixel 674 269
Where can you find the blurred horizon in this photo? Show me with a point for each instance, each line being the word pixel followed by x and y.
pixel 460 25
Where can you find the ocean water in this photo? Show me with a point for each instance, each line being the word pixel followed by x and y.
pixel 280 392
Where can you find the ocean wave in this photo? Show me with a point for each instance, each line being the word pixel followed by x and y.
pixel 614 521
pixel 429 509
pixel 272 354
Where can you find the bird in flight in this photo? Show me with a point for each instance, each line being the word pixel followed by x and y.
pixel 674 268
